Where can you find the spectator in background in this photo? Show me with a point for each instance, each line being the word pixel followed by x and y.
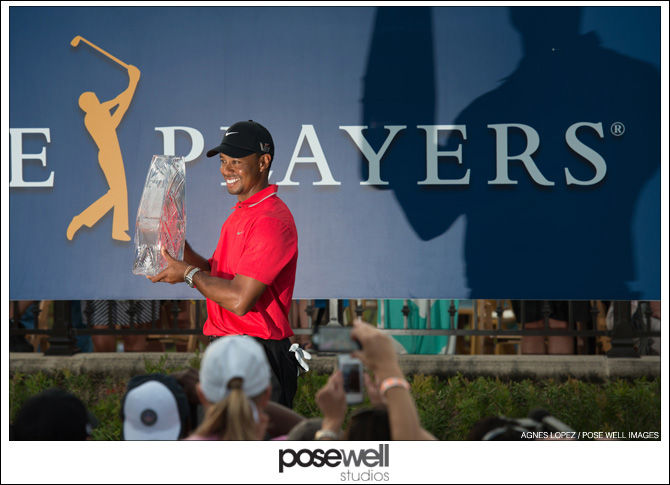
pixel 559 315
pixel 20 317
pixel 539 425
pixel 299 320
pixel 234 388
pixel 83 342
pixel 124 313
pixel 497 428
pixel 53 415
pixel 188 379
pixel 30 313
pixel 377 354
pixel 305 430
pixel 639 310
pixel 155 407
pixel 369 424
pixel 281 419
pixel 655 326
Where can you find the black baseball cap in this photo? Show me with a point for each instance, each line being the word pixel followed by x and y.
pixel 244 138
pixel 54 414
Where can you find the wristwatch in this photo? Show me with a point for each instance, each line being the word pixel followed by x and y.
pixel 189 277
pixel 326 434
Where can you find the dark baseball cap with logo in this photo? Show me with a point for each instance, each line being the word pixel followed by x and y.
pixel 244 138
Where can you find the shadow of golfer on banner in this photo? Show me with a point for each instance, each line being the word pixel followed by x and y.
pixel 553 161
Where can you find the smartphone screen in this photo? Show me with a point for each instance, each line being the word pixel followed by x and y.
pixel 351 374
pixel 334 339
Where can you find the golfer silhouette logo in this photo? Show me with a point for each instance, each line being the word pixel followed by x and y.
pixel 101 125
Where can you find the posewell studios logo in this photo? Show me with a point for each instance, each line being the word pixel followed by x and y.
pixel 362 465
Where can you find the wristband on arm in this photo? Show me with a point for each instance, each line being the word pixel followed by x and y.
pixel 390 383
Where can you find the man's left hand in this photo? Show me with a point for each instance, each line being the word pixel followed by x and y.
pixel 174 273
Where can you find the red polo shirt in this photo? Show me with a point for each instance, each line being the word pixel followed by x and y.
pixel 258 240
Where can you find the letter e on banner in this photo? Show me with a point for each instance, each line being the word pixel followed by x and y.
pixel 16 140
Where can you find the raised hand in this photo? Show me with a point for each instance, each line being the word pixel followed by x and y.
pixel 332 401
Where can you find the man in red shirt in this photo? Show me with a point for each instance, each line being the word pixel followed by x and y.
pixel 249 280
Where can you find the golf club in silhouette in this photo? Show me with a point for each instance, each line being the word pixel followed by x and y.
pixel 75 42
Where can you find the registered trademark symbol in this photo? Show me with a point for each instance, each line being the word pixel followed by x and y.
pixel 617 129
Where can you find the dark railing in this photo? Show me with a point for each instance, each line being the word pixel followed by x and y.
pixel 629 334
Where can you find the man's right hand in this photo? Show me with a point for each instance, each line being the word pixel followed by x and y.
pixel 174 273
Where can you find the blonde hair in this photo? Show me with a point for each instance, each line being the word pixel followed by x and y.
pixel 231 418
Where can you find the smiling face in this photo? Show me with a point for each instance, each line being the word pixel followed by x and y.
pixel 245 176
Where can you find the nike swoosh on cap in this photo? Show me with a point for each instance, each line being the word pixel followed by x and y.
pixel 232 133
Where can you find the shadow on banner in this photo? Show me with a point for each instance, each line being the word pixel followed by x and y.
pixel 552 162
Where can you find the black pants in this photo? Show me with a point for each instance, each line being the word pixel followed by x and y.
pixel 284 369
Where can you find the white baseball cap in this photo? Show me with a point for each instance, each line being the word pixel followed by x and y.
pixel 230 357
pixel 154 408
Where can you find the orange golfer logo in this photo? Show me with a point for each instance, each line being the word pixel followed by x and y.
pixel 101 125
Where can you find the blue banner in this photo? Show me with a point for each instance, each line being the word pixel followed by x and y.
pixel 425 152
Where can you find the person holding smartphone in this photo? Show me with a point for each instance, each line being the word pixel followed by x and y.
pixel 378 354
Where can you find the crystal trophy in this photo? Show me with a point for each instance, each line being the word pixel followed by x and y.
pixel 161 216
